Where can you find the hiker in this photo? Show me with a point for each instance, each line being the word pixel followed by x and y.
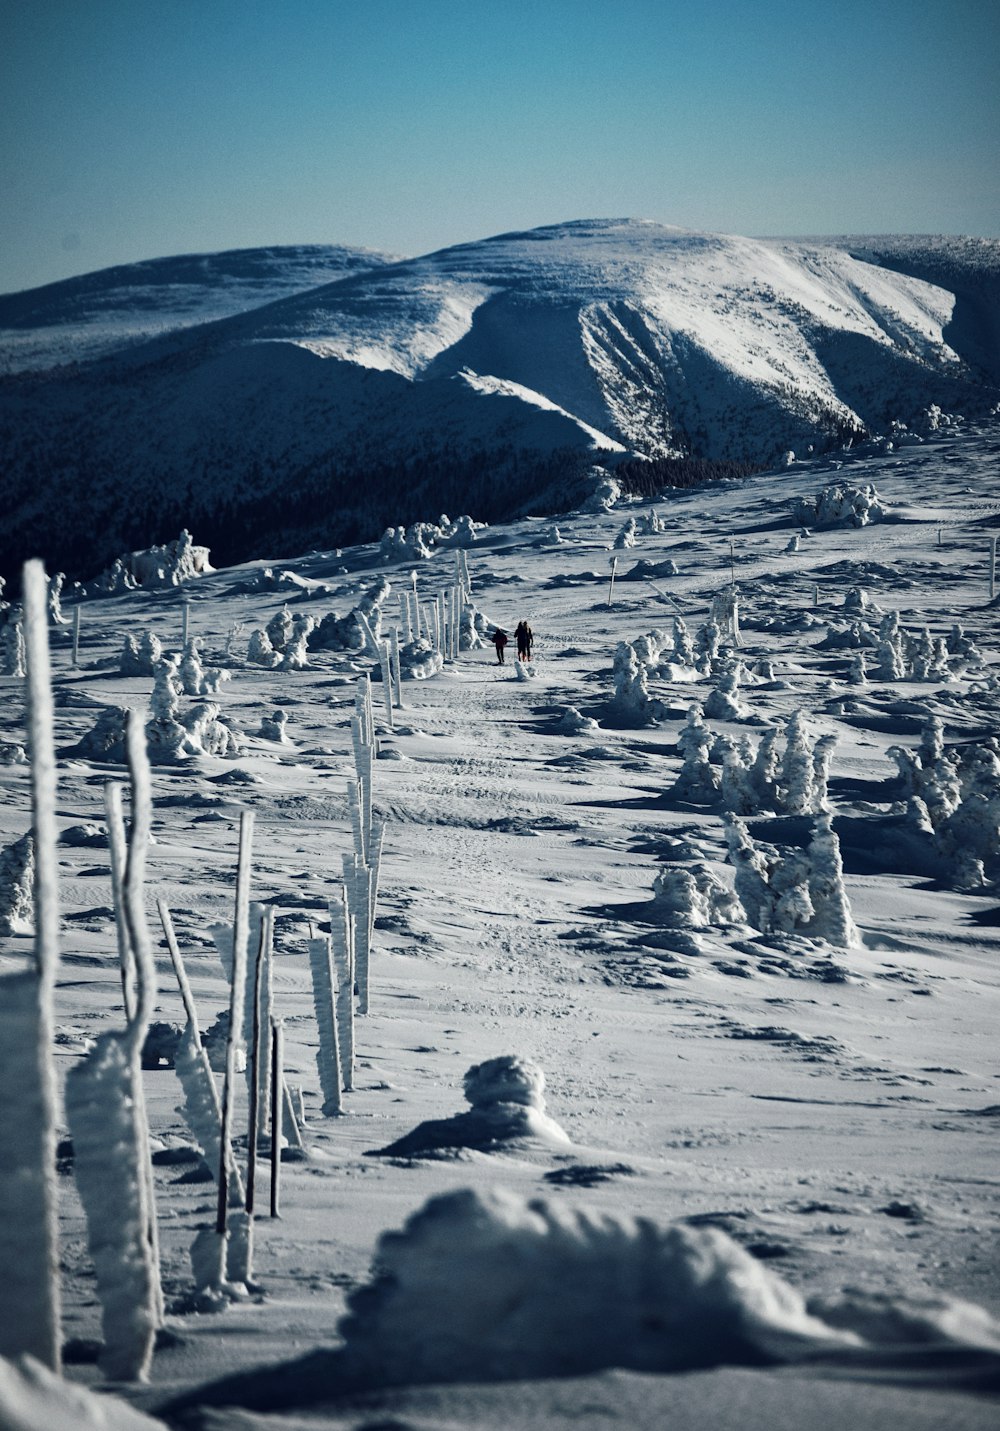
pixel 525 638
pixel 500 641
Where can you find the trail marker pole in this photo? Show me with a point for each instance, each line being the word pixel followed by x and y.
pixel 76 635
pixel 611 587
pixel 993 567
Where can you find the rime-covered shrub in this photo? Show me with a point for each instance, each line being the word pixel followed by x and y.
pixel 272 727
pixel 173 734
pixel 901 656
pixel 507 1105
pixel 196 679
pixel 141 658
pixel 17 900
pixel 626 537
pixel 105 742
pixel 12 753
pixel 723 703
pixel 170 565
pixel 345 633
pixel 295 655
pixel 260 652
pixel 12 645
pixel 651 523
pixel 698 780
pixel 472 628
pixel 955 799
pixel 692 897
pixel 418 660
pixel 793 891
pixel 605 493
pixel 573 722
pixel 841 505
pixel 631 704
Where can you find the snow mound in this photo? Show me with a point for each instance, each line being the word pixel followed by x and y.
pixel 32 1398
pixel 483 1286
pixel 506 1095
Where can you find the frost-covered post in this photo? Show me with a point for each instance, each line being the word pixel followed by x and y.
pixel 76 634
pixel 260 1050
pixel 119 855
pixel 397 681
pixel 385 664
pixel 328 1057
pixel 29 1263
pixel 185 621
pixel 611 585
pixel 993 566
pixel 237 1002
pixel 342 928
pixel 277 1100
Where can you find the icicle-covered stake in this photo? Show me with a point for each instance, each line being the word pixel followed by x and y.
pixel 29 1304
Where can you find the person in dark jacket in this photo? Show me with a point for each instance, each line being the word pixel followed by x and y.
pixel 524 636
pixel 500 641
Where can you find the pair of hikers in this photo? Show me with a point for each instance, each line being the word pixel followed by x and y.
pixel 523 635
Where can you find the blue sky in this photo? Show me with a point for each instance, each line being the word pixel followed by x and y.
pixel 133 129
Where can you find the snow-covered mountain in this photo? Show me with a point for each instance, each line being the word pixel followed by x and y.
pixel 99 313
pixel 483 377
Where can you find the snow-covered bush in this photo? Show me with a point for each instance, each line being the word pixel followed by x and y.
pixel 903 657
pixel 418 660
pixel 793 891
pixel 141 658
pixel 170 565
pixel 691 897
pixel 627 536
pixel 651 523
pixel 723 703
pixel 792 782
pixel 346 633
pixel 573 722
pixel 175 735
pixel 295 654
pixel 260 652
pixel 841 505
pixel 605 494
pixel 472 628
pixel 272 727
pixel 17 900
pixel 12 645
pixel 417 542
pixel 955 799
pixel 698 781
pixel 508 1105
pixel 196 679
pixel 105 741
pixel 631 704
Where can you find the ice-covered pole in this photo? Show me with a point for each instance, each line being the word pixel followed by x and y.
pixel 611 584
pixel 76 634
pixel 29 1263
pixel 119 855
pixel 277 1101
pixel 237 995
pixel 993 566
pixel 397 681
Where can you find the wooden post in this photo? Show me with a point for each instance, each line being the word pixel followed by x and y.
pixel 614 569
pixel 76 634
pixel 732 562
pixel 993 567
pixel 185 621
pixel 237 995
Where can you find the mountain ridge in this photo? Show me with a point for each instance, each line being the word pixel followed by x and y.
pixel 447 379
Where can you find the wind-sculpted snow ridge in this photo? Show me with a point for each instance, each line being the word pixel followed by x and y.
pixel 489 375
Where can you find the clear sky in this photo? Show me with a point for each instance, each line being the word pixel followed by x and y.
pixel 135 129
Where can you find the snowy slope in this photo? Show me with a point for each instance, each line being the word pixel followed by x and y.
pixel 100 313
pixel 478 376
pixel 830 1113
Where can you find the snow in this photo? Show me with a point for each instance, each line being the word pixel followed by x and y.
pixel 773 1141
